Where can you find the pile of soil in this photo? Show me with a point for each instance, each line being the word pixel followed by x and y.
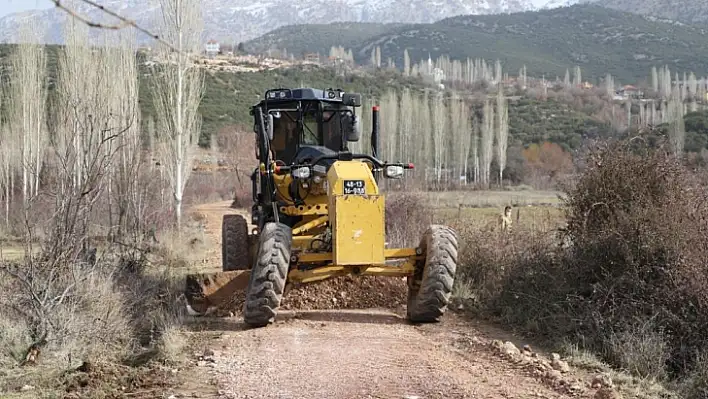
pixel 348 292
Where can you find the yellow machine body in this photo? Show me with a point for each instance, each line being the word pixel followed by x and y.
pixel 357 220
pixel 348 200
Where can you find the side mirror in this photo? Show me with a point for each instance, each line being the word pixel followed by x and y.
pixel 351 99
pixel 352 128
pixel 269 127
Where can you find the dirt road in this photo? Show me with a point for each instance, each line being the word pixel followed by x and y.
pixel 366 353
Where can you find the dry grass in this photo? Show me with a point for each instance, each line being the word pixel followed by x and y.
pixel 125 312
pixel 183 251
pixel 11 252
pixel 515 197
pixel 628 386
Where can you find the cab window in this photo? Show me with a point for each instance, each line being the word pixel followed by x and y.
pixel 284 136
pixel 332 130
pixel 309 129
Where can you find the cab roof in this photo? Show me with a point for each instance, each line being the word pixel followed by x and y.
pixel 274 96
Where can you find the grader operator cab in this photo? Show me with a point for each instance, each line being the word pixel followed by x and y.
pixel 319 213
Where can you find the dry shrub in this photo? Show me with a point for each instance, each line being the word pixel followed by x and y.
pixel 407 218
pixel 218 186
pixel 641 350
pixel 71 314
pixel 15 338
pixel 179 250
pixel 694 385
pixel 489 257
pixel 631 285
pixel 108 313
pixel 638 220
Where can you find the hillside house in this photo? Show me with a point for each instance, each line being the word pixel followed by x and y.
pixel 212 48
pixel 312 57
pixel 629 91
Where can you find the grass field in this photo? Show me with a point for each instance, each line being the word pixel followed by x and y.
pixel 531 209
pixel 491 198
pixel 10 251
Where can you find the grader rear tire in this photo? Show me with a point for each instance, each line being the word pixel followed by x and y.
pixel 268 275
pixel 429 290
pixel 235 243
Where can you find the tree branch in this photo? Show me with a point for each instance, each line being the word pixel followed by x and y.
pixel 124 21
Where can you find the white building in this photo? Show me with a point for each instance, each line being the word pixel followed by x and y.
pixel 213 48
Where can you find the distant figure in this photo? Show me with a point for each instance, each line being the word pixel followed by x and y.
pixel 505 219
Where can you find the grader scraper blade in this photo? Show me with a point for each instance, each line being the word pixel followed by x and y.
pixel 207 292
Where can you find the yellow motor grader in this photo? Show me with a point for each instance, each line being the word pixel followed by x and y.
pixel 318 213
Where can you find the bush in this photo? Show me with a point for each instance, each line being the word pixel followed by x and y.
pixel 407 218
pixel 638 220
pixel 630 284
pixel 76 314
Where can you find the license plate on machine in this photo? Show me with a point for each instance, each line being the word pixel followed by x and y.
pixel 354 187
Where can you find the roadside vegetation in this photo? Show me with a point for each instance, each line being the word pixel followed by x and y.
pixel 615 282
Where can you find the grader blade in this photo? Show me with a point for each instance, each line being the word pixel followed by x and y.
pixel 207 292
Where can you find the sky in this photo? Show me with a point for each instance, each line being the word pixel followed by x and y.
pixel 10 6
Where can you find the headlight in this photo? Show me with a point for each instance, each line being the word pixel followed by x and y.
pixel 393 172
pixel 301 173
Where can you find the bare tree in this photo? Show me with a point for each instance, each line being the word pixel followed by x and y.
pixel 498 72
pixel 406 126
pixel 461 133
pixel 487 143
pixel 666 82
pixel 27 103
pixel 178 86
pixel 475 147
pixel 406 63
pixel 609 86
pixel 692 86
pixel 577 76
pixel 7 147
pixel 425 145
pixel 389 125
pixel 502 130
pixel 677 128
pixel 654 79
pixel 125 170
pixel 439 135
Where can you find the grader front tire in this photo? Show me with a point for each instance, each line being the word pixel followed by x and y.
pixel 235 243
pixel 268 275
pixel 429 290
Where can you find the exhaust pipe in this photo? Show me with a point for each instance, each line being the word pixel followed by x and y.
pixel 375 132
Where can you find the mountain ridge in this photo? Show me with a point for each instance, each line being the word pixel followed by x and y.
pixel 234 21
pixel 600 40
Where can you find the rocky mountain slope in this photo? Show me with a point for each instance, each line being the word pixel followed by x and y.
pixel 686 11
pixel 240 20
pixel 600 40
